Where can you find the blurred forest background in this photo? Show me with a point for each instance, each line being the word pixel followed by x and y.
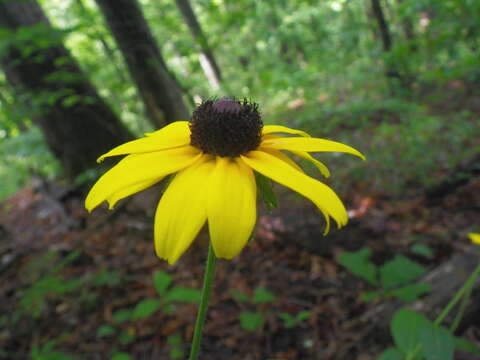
pixel 397 79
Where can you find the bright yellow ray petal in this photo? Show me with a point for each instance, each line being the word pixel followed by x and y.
pixel 283 157
pixel 320 194
pixel 475 238
pixel 123 193
pixel 231 206
pixel 309 145
pixel 173 135
pixel 181 212
pixel 268 129
pixel 138 168
pixel 320 166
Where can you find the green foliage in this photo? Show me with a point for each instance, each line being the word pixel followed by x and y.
pixel 183 294
pixel 49 284
pixel 145 308
pixel 290 321
pixel 359 264
pixel 121 356
pixel 416 338
pixel 261 295
pixel 168 296
pixel 105 331
pixel 254 320
pixel 251 321
pixel 176 346
pixel 161 281
pixel 400 271
pixel 47 352
pixel 422 250
pixel 21 156
pixel 394 278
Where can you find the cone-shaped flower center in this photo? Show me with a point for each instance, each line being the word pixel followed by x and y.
pixel 226 127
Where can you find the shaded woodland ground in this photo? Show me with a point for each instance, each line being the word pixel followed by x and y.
pixel 396 79
pixel 113 262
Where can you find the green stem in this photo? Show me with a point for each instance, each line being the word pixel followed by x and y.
pixel 466 287
pixel 202 309
pixel 461 310
pixel 464 291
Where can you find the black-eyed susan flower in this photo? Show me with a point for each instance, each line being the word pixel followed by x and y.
pixel 214 157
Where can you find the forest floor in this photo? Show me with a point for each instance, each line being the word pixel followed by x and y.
pixel 117 245
pixel 66 276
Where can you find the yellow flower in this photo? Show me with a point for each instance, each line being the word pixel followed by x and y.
pixel 475 238
pixel 214 156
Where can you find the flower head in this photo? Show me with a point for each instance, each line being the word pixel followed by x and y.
pixel 214 157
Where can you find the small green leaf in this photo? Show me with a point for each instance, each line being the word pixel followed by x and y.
pixel 405 327
pixel 145 308
pixel 437 343
pixel 400 271
pixel 126 338
pixel 161 281
pixel 391 354
pixel 359 264
pixel 174 340
pixel 423 250
pixel 288 320
pixel 122 315
pixel 121 356
pixel 410 292
pixel 262 295
pixel 179 293
pixel 371 295
pixel 251 321
pixel 304 315
pixel 467 345
pixel 169 309
pixel 239 296
pixel 177 353
pixel 105 330
pixel 265 187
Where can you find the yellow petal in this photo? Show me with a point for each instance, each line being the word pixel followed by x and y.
pixel 309 145
pixel 320 194
pixel 283 157
pixel 181 212
pixel 231 206
pixel 268 129
pixel 475 238
pixel 320 166
pixel 123 193
pixel 139 168
pixel 173 135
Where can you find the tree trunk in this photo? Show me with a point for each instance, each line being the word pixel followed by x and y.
pixel 392 71
pixel 207 60
pixel 158 88
pixel 77 124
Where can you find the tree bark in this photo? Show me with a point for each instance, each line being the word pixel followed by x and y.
pixel 77 124
pixel 158 88
pixel 392 71
pixel 207 60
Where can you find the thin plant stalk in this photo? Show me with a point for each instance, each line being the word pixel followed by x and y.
pixel 202 309
pixel 464 291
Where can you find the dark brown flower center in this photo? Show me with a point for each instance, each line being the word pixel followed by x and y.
pixel 226 127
